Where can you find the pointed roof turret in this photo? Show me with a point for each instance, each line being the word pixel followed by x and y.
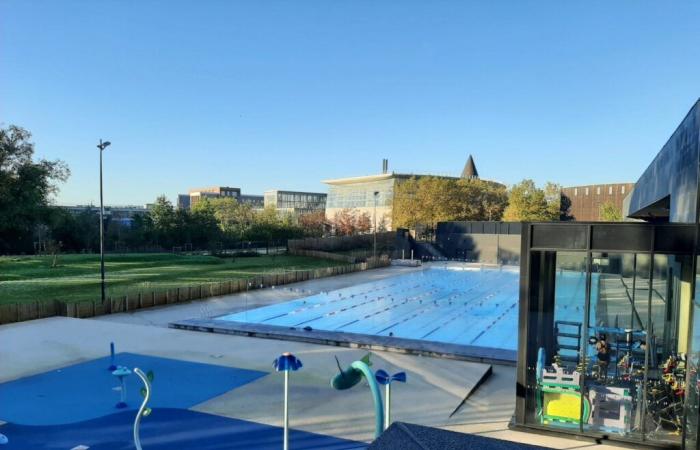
pixel 469 170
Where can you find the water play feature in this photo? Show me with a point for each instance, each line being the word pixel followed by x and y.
pixel 144 410
pixel 351 376
pixel 286 363
pixel 386 380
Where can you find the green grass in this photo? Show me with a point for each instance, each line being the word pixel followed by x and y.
pixel 77 277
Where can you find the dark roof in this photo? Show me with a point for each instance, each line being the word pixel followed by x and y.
pixel 407 436
pixel 469 170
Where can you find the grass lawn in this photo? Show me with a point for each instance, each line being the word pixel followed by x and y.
pixel 77 277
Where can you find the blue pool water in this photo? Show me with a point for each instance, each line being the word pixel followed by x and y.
pixel 466 306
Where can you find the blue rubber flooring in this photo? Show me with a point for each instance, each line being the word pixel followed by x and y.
pixel 86 391
pixel 167 429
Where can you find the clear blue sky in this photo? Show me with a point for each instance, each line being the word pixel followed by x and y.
pixel 283 94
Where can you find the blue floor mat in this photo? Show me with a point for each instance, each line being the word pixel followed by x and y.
pixel 86 391
pixel 167 429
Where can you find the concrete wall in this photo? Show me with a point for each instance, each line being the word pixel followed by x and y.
pixel 669 186
pixel 488 242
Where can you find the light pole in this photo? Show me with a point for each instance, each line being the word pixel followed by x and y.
pixel 376 193
pixel 102 146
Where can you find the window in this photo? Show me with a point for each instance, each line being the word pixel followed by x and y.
pixel 586 191
pixel 597 190
pixel 575 191
pixel 622 190
pixel 610 190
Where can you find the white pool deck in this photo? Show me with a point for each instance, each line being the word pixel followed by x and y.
pixel 435 386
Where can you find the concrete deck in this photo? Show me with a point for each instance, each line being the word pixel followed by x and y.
pixel 435 386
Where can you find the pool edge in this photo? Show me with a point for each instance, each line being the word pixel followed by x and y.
pixel 353 340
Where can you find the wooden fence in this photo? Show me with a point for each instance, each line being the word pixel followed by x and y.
pixel 18 312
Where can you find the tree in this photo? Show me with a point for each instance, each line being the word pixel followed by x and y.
pixel 26 187
pixel 344 222
pixel 528 203
pixel 428 200
pixel 609 212
pixel 313 224
pixel 234 219
pixel 163 216
pixel 363 223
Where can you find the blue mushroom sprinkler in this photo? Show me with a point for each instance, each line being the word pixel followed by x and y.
pixel 384 378
pixel 286 363
pixel 121 373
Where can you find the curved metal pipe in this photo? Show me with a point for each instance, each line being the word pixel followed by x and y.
pixel 374 387
pixel 139 414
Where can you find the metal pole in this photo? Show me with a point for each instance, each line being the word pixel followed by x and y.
pixel 102 225
pixel 375 226
pixel 286 410
pixel 387 419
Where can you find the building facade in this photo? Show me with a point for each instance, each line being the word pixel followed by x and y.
pixel 255 201
pixel 183 201
pixel 586 201
pixel 187 201
pixel 294 202
pixel 374 194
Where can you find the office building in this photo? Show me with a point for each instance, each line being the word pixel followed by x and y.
pixel 367 194
pixel 294 202
pixel 255 201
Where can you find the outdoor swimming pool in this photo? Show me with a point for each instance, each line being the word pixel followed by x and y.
pixel 458 305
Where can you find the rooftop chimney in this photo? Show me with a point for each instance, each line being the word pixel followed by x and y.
pixel 385 165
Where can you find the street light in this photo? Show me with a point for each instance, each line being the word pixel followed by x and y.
pixel 376 194
pixel 102 146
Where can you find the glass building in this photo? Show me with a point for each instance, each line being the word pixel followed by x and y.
pixel 295 202
pixel 609 325
pixel 358 193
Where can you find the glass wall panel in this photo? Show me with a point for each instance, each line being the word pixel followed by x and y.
pixel 555 380
pixel 666 362
pixel 693 378
pixel 616 355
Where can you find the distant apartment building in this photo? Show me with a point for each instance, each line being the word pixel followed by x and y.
pixel 586 201
pixel 123 214
pixel 183 201
pixel 370 193
pixel 186 201
pixel 255 201
pixel 295 202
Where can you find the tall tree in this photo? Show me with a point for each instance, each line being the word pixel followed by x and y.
pixel 313 224
pixel 609 212
pixel 344 222
pixel 528 203
pixel 429 200
pixel 364 222
pixel 26 187
pixel 164 225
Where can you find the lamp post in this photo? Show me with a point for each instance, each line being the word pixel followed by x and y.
pixel 376 194
pixel 102 146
